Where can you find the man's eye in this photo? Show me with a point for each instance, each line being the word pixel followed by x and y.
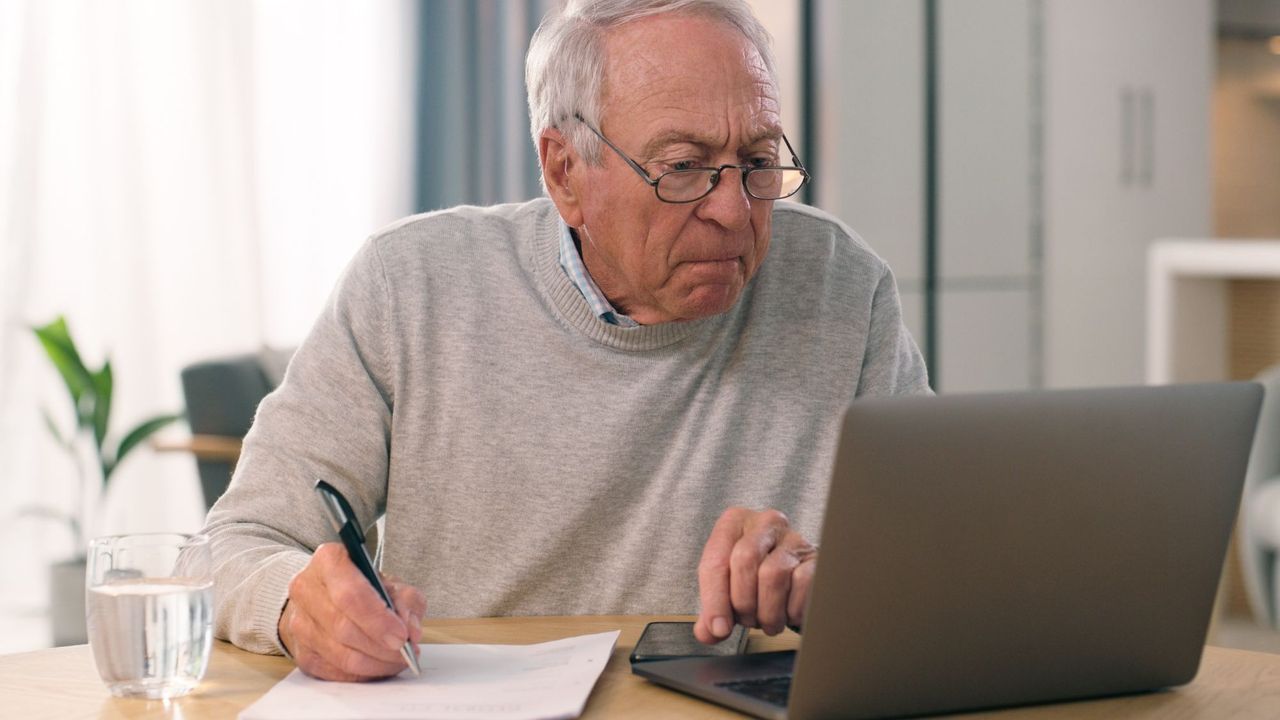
pixel 762 162
pixel 684 165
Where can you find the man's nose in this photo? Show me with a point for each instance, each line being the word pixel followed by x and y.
pixel 728 203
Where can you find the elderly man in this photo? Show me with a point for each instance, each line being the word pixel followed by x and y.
pixel 601 402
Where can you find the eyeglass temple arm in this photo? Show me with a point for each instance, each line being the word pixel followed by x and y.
pixel 636 166
pixel 627 158
pixel 794 158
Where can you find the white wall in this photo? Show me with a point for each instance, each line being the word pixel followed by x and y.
pixel 782 19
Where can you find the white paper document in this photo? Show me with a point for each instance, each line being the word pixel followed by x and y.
pixel 459 682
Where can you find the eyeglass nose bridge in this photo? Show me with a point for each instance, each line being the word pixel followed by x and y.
pixel 715 178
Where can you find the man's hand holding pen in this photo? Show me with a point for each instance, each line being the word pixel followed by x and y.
pixel 337 628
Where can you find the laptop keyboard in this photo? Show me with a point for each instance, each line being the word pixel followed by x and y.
pixel 773 690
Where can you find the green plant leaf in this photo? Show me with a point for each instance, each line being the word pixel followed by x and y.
pixel 102 382
pixel 54 431
pixel 143 431
pixel 61 349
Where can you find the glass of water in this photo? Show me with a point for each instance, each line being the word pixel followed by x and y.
pixel 150 612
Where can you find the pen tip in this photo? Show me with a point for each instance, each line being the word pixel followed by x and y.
pixel 411 660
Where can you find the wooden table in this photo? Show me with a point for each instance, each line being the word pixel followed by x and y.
pixel 63 683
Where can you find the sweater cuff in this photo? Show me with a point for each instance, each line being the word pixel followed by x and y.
pixel 273 594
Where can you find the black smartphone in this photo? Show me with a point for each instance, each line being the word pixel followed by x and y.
pixel 665 640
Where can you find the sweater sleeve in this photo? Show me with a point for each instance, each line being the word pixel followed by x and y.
pixel 892 364
pixel 329 419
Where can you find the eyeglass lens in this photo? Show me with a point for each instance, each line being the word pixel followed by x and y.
pixel 765 184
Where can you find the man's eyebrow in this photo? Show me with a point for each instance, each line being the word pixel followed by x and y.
pixel 675 137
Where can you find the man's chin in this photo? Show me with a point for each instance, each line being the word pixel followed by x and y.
pixel 708 300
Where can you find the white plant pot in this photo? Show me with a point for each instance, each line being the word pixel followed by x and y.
pixel 66 602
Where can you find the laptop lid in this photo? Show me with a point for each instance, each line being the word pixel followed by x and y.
pixel 1002 549
pixel 989 550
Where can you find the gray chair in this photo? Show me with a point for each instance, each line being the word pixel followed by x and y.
pixel 222 396
pixel 1260 512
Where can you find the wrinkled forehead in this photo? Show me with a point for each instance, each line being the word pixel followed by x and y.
pixel 687 64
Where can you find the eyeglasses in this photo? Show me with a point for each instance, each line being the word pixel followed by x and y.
pixel 763 182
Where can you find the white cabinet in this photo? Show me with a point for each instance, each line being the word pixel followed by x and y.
pixel 987 203
pixel 1071 133
pixel 984 341
pixel 985 112
pixel 1126 161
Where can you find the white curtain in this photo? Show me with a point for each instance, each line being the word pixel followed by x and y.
pixel 182 179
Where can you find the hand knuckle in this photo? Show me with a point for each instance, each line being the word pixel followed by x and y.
pixel 774 516
pixel 326 554
pixel 774 576
pixel 744 556
pixel 733 517
pixel 713 568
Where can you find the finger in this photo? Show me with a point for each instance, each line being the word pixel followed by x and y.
pixel 716 611
pixel 775 583
pixel 415 636
pixel 408 600
pixel 359 617
pixel 801 581
pixel 321 649
pixel 411 606
pixel 761 536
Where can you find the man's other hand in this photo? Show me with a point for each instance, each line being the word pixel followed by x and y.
pixel 755 571
pixel 336 626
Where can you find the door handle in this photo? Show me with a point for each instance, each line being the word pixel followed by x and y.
pixel 1147 135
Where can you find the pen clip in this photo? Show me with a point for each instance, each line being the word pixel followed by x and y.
pixel 339 510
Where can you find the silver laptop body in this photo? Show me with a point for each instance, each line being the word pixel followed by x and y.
pixel 990 550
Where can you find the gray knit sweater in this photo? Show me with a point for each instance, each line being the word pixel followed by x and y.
pixel 530 458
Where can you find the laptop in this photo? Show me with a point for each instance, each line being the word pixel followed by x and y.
pixel 991 550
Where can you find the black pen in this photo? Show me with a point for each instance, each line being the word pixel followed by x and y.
pixel 344 523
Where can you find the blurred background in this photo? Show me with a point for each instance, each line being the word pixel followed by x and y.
pixel 184 180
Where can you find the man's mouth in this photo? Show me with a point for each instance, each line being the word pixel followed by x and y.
pixel 717 267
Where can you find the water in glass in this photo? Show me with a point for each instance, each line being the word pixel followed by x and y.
pixel 153 635
pixel 150 612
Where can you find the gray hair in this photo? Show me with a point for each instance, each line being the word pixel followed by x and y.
pixel 564 70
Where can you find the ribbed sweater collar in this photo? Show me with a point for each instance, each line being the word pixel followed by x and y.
pixel 577 313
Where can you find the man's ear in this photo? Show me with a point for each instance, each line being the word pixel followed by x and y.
pixel 561 168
